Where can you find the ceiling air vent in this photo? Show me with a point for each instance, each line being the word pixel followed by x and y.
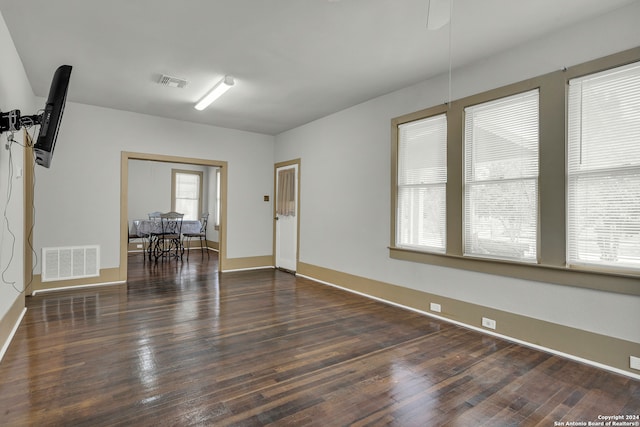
pixel 171 81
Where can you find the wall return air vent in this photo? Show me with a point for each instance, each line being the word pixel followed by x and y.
pixel 71 262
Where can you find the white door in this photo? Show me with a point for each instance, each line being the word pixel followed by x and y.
pixel 286 218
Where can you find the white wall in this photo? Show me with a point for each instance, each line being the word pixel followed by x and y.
pixel 150 186
pixel 78 198
pixel 346 163
pixel 15 93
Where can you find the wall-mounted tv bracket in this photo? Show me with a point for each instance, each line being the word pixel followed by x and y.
pixel 12 121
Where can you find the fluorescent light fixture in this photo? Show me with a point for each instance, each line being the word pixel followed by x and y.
pixel 221 87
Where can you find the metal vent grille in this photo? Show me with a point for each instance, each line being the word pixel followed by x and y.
pixel 170 81
pixel 72 262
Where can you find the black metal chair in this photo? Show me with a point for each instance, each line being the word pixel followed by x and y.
pixel 168 242
pixel 154 230
pixel 201 235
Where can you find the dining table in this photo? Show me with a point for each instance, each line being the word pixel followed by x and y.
pixel 147 229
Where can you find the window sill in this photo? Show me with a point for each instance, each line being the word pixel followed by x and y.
pixel 608 281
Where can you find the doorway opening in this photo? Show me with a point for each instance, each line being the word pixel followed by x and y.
pixel 128 158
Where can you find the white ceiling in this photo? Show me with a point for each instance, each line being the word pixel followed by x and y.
pixel 293 60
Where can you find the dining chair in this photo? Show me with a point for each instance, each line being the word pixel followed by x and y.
pixel 154 215
pixel 168 241
pixel 133 226
pixel 137 234
pixel 154 230
pixel 201 236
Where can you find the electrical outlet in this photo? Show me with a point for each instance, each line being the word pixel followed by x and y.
pixel 488 323
pixel 435 307
pixel 139 246
pixel 634 362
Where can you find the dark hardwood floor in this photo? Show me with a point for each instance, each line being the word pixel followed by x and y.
pixel 181 345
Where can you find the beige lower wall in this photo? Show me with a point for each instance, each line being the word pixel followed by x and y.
pixel 9 320
pixel 598 348
pixel 107 275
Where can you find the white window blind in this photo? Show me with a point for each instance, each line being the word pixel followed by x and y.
pixel 217 221
pixel 422 179
pixel 187 194
pixel 603 221
pixel 501 178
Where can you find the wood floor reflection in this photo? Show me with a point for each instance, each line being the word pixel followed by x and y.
pixel 181 345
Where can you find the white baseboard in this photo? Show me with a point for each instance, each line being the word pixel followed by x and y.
pixel 90 285
pixel 248 269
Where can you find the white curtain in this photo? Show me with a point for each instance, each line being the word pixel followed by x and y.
pixel 286 198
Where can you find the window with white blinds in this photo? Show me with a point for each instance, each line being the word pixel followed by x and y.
pixel 603 221
pixel 187 193
pixel 501 178
pixel 217 216
pixel 422 179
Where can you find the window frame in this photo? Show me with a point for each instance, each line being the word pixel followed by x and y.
pixel 587 173
pixel 468 182
pixel 218 205
pixel 174 174
pixel 425 248
pixel 552 264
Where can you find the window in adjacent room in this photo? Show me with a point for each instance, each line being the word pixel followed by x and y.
pixel 422 179
pixel 217 219
pixel 186 189
pixel 501 178
pixel 603 223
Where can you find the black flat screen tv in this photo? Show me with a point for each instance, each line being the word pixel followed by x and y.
pixel 52 116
